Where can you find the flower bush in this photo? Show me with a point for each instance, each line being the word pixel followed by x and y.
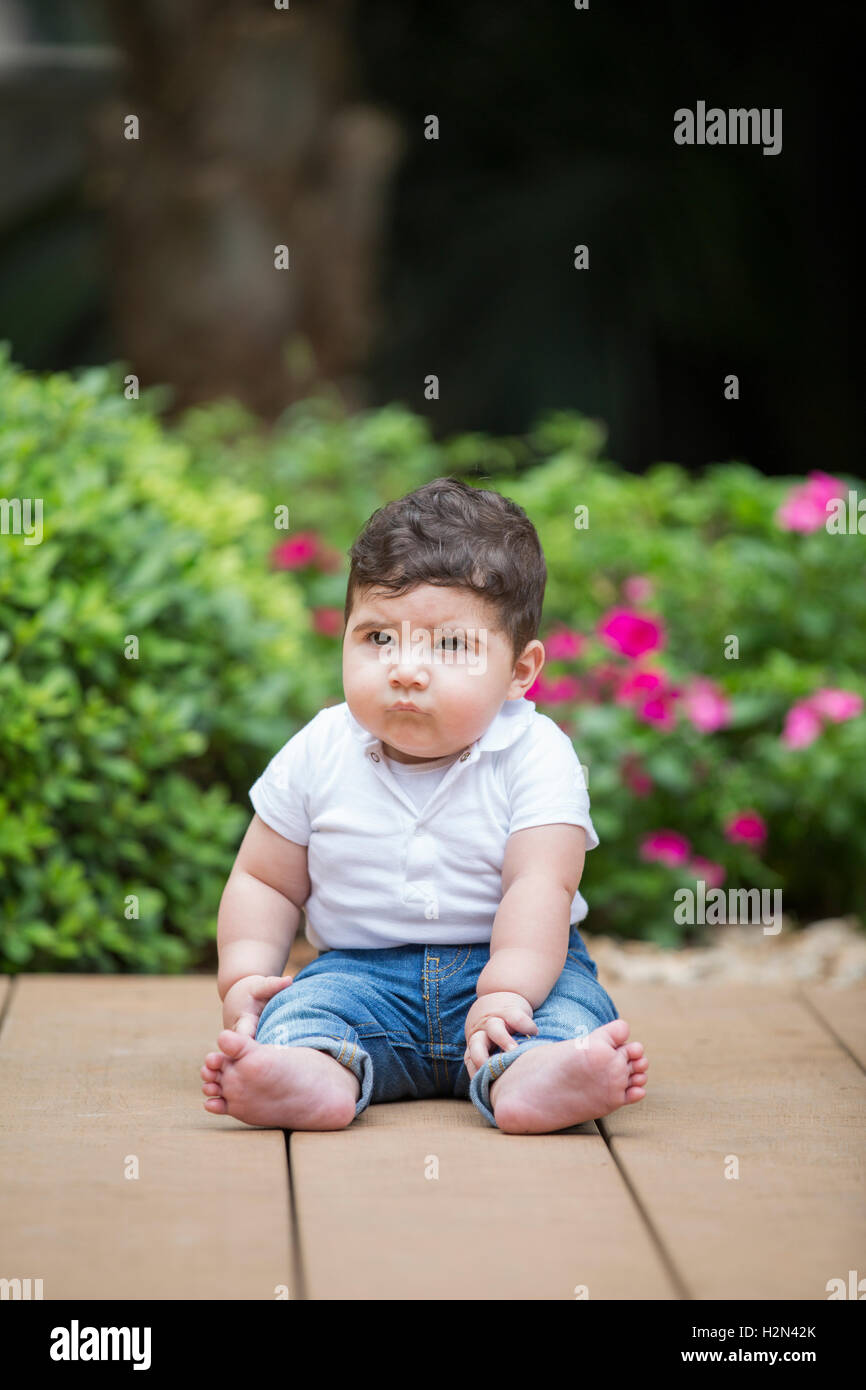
pixel 704 639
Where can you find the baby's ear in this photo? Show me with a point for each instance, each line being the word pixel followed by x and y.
pixel 527 666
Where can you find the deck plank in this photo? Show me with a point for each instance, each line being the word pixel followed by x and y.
pixel 746 1071
pixel 844 1012
pixel 508 1217
pixel 94 1069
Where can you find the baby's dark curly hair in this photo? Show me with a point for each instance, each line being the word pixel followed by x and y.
pixel 449 533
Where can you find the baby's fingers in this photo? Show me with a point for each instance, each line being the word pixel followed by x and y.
pixel 522 1022
pixel 477 1050
pixel 497 1030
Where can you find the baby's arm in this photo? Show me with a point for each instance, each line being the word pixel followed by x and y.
pixel 540 875
pixel 541 872
pixel 259 912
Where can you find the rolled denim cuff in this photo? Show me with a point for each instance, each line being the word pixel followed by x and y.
pixel 479 1086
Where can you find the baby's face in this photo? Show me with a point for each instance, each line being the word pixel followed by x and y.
pixel 437 649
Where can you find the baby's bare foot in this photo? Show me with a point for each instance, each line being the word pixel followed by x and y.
pixel 278 1087
pixel 560 1084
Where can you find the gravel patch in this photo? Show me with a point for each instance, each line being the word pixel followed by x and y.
pixel 831 952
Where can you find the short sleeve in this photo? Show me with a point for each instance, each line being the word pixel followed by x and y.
pixel 280 795
pixel 546 785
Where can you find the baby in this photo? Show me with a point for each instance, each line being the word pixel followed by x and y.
pixel 433 828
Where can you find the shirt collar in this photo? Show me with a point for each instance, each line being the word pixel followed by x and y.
pixel 513 719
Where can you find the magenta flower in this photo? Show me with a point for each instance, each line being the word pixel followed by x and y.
pixel 805 507
pixel 637 589
pixel 836 704
pixel 802 725
pixel 705 705
pixel 556 692
pixel 640 685
pixel 631 633
pixel 659 710
pixel 297 552
pixel 713 874
pixel 746 828
pixel 805 718
pixel 564 644
pixel 665 847
pixel 328 621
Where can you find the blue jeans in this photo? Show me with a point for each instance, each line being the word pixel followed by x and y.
pixel 395 1017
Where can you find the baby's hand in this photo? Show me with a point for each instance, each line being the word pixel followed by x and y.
pixel 244 1002
pixel 489 1020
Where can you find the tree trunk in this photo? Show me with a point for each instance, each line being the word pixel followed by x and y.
pixel 250 137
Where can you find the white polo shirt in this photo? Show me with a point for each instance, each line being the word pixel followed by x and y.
pixel 386 872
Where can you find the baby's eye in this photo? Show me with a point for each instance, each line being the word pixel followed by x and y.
pixel 380 633
pixel 453 641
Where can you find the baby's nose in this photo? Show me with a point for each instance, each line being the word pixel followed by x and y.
pixel 409 672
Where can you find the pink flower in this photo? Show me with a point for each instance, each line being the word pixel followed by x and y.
pixel 802 726
pixel 328 621
pixel 653 698
pixel 637 589
pixel 659 710
pixel 712 874
pixel 563 644
pixel 805 507
pixel 835 704
pixel 805 718
pixel 705 705
pixel 634 776
pixel 747 828
pixel 556 692
pixel 297 552
pixel 665 847
pixel 640 685
pixel 631 633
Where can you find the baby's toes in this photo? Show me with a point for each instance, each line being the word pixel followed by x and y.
pixel 634 1050
pixel 215 1060
pixel 212 1088
pixel 216 1105
pixel 634 1093
pixel 210 1073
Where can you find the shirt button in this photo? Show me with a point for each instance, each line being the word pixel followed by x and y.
pixel 464 756
pixel 375 757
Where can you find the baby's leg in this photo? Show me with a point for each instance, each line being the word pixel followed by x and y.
pixel 327 1045
pixel 303 1070
pixel 580 1066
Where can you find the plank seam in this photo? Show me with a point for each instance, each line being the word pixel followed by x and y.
pixel 7 1002
pixel 297 1262
pixel 828 1027
pixel 661 1250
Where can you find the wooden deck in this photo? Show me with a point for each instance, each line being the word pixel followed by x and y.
pixel 99 1073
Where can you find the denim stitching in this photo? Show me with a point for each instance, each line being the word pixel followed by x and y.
pixel 439 1021
pixel 439 1029
pixel 431 1043
pixel 461 961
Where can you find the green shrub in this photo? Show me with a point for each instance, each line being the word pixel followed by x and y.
pixel 120 776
